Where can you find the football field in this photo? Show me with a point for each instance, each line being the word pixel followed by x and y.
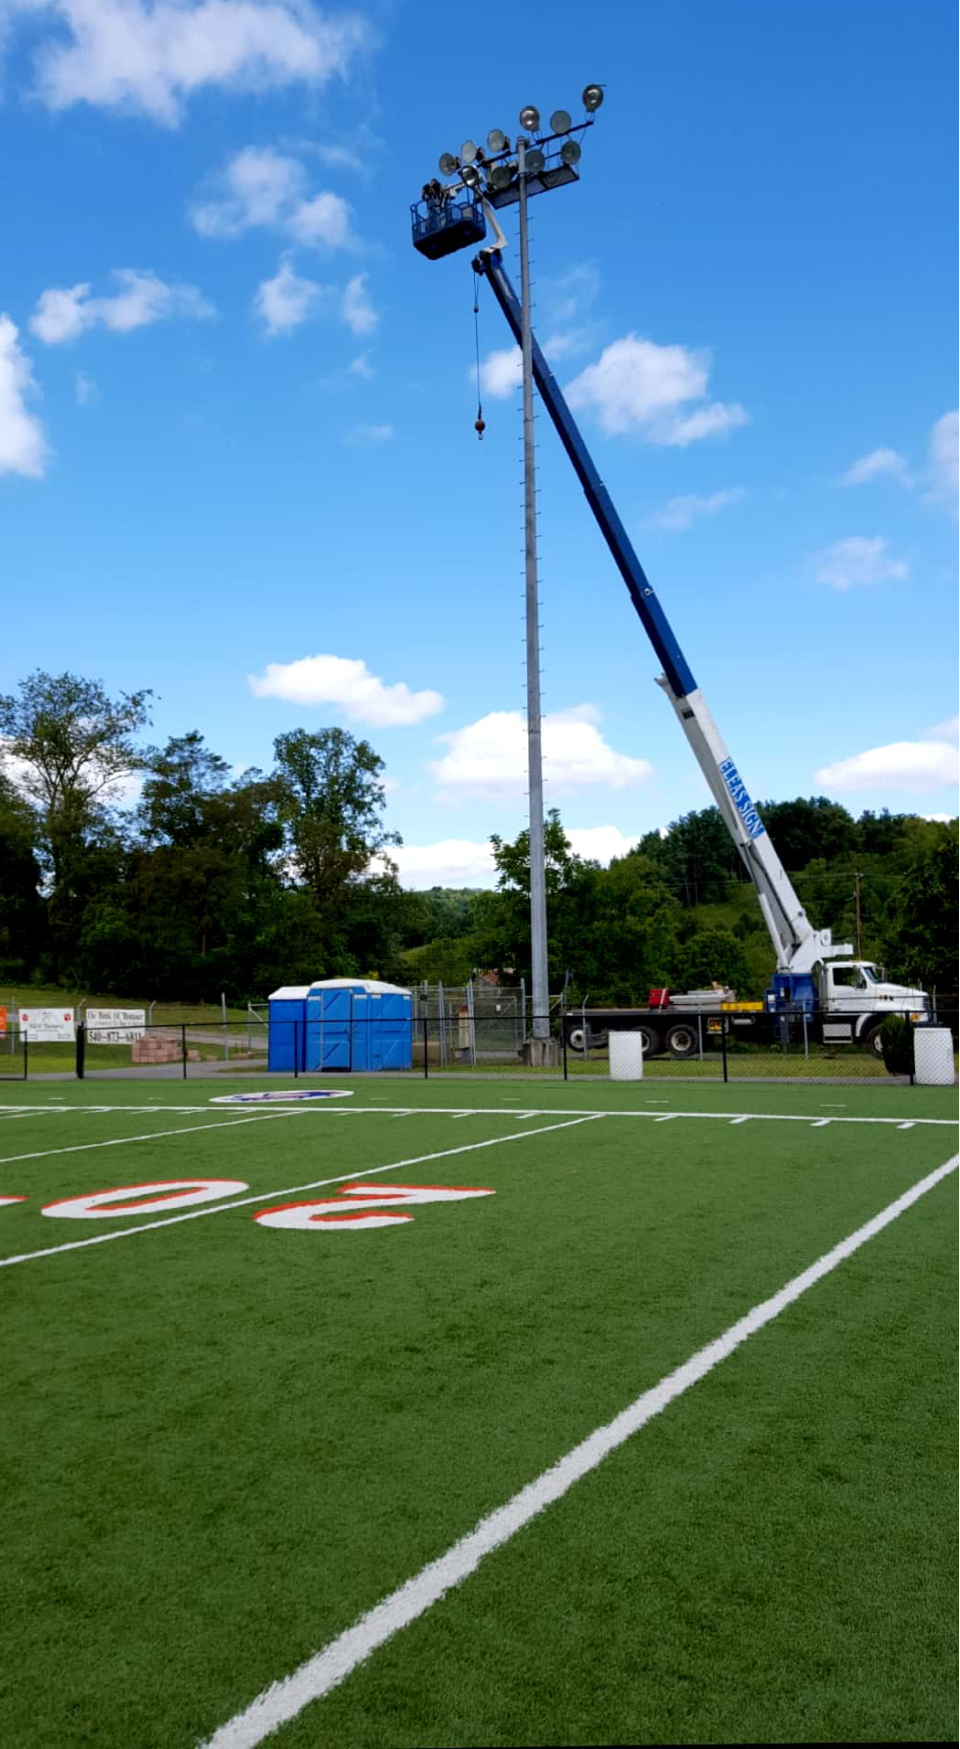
pixel 400 1415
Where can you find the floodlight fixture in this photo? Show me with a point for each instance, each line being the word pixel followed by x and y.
pixel 502 175
pixel 496 140
pixel 468 152
pixel 530 118
pixel 534 161
pixel 448 163
pixel 570 153
pixel 561 122
pixel 592 97
pixel 470 176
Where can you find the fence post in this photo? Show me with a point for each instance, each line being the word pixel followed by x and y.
pixel 563 1035
pixel 183 1046
pixel 296 1049
pixel 26 1047
pixel 81 1047
pixel 806 1036
pixel 226 1040
pixel 426 1041
pixel 723 1045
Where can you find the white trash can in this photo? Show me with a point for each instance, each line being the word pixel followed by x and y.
pixel 626 1056
pixel 932 1056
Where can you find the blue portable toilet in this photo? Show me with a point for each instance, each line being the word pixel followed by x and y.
pixel 286 1028
pixel 358 1024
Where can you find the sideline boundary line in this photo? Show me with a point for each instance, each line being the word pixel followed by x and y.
pixel 284 1700
pixel 268 1195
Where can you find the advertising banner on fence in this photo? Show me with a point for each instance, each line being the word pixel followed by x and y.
pixel 3 1022
pixel 115 1026
pixel 44 1024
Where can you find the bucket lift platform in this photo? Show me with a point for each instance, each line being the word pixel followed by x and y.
pixel 441 226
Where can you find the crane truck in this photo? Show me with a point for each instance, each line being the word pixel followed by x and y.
pixel 817 987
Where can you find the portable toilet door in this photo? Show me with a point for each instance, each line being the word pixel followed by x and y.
pixel 286 1010
pixel 329 1030
pixel 393 1034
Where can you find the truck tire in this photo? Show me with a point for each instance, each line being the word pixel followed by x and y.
pixel 580 1038
pixel 869 1040
pixel 652 1043
pixel 682 1040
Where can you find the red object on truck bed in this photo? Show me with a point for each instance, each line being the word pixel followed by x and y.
pixel 658 998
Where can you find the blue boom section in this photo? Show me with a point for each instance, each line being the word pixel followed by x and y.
pixel 655 622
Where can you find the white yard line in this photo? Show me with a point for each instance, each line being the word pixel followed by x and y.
pixel 290 1190
pixel 126 1141
pixel 283 1700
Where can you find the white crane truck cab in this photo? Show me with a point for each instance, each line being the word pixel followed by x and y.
pixel 855 1000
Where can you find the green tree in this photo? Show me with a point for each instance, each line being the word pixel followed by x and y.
pixel 21 906
pixel 74 745
pixel 330 804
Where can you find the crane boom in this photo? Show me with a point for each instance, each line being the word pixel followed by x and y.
pixel 797 944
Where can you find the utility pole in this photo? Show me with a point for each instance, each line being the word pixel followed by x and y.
pixel 857 879
pixel 538 888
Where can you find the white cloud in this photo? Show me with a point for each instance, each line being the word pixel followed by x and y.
pixel 255 187
pixel 849 563
pixel 84 388
pixel 356 308
pixel 942 819
pixel 150 56
pixel 639 386
pixel 878 462
pixel 361 367
pixel 949 730
pixel 599 843
pixel 500 372
pixel 64 312
pixel 682 512
pixel 259 186
pixel 285 301
pixel 906 765
pixel 371 434
pixel 451 862
pixel 942 464
pixel 468 862
pixel 489 757
pixel 23 447
pixel 324 218
pixel 348 683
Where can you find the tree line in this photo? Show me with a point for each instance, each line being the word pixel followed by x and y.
pixel 214 880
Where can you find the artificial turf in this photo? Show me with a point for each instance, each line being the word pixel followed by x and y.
pixel 223 1442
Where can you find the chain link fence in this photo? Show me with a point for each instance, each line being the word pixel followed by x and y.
pixel 473 1034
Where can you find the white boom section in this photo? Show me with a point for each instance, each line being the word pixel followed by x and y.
pixel 797 944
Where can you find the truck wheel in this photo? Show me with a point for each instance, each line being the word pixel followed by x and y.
pixel 682 1040
pixel 651 1041
pixel 872 1042
pixel 580 1038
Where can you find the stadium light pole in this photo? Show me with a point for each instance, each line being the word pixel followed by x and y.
pixel 495 177
pixel 540 981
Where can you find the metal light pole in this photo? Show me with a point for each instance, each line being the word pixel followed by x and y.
pixel 538 884
pixel 450 217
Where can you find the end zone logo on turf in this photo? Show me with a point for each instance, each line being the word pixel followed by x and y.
pixel 281 1098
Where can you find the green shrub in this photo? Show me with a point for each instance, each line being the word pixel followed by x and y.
pixel 896 1042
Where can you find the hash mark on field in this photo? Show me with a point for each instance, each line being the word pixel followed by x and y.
pixel 820 1123
pixel 291 1190
pixel 905 1126
pixel 284 1700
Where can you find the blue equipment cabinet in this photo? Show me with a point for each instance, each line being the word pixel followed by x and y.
pixel 358 1024
pixel 286 1031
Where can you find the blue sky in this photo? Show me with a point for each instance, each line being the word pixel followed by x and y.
pixel 237 456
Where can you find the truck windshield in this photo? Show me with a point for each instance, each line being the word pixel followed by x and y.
pixel 871 974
